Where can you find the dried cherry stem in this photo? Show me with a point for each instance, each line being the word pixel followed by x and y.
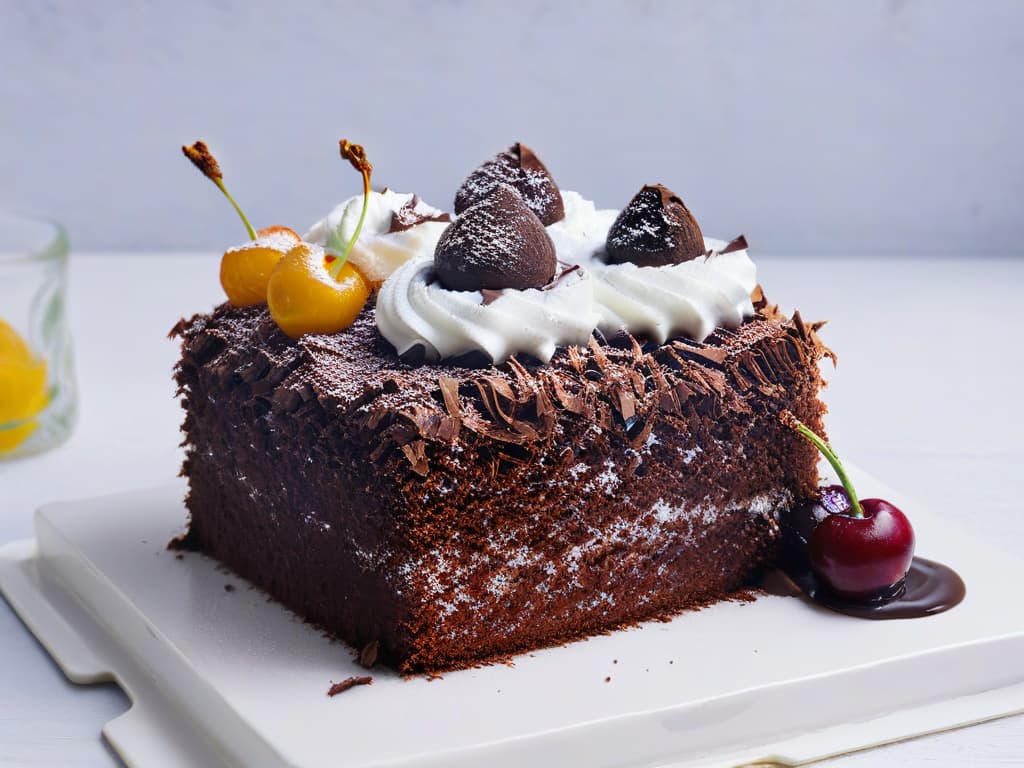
pixel 356 155
pixel 204 160
pixel 791 421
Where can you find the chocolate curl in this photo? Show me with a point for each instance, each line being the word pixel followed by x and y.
pixel 736 244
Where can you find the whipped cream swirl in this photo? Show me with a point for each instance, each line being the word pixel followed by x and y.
pixel 691 298
pixel 413 308
pixel 378 252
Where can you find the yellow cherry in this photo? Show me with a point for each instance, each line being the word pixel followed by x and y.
pixel 22 389
pixel 305 297
pixel 245 269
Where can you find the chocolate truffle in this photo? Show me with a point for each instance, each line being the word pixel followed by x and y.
pixel 655 229
pixel 496 243
pixel 521 169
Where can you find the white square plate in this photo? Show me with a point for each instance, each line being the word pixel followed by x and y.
pixel 219 676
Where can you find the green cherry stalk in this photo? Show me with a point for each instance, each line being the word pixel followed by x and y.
pixel 356 155
pixel 204 160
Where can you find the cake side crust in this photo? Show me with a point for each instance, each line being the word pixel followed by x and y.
pixel 417 497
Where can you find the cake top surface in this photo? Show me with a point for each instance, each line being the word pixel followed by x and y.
pixel 620 385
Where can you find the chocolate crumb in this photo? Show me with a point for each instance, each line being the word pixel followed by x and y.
pixel 615 661
pixel 608 679
pixel 179 556
pixel 368 655
pixel 348 682
pixel 229 587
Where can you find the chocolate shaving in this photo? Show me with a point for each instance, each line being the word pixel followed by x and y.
pixel 450 393
pixel 415 212
pixel 736 244
pixel 565 270
pixel 348 683
pixel 413 416
pixel 417 454
pixel 627 405
pixel 714 355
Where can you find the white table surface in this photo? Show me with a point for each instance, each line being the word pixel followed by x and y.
pixel 925 398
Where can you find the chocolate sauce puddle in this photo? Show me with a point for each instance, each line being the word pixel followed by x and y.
pixel 930 588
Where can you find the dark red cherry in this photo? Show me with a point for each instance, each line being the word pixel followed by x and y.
pixel 860 559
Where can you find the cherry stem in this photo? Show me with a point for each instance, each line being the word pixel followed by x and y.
pixel 241 215
pixel 356 155
pixel 791 421
pixel 202 158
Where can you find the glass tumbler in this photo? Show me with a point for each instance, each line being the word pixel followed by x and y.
pixel 38 401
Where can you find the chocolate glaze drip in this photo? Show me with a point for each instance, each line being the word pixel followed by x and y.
pixel 928 588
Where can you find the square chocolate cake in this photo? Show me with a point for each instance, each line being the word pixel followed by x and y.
pixel 448 502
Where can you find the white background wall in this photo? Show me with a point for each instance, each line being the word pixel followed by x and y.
pixel 812 126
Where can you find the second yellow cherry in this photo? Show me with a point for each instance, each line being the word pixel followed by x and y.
pixel 305 297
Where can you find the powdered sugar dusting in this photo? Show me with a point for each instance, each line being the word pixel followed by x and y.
pixel 492 232
pixel 276 240
pixel 535 185
pixel 449 573
pixel 644 223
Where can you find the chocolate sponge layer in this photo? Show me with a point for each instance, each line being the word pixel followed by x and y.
pixel 455 514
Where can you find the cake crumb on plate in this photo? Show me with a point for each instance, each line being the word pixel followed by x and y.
pixel 347 683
